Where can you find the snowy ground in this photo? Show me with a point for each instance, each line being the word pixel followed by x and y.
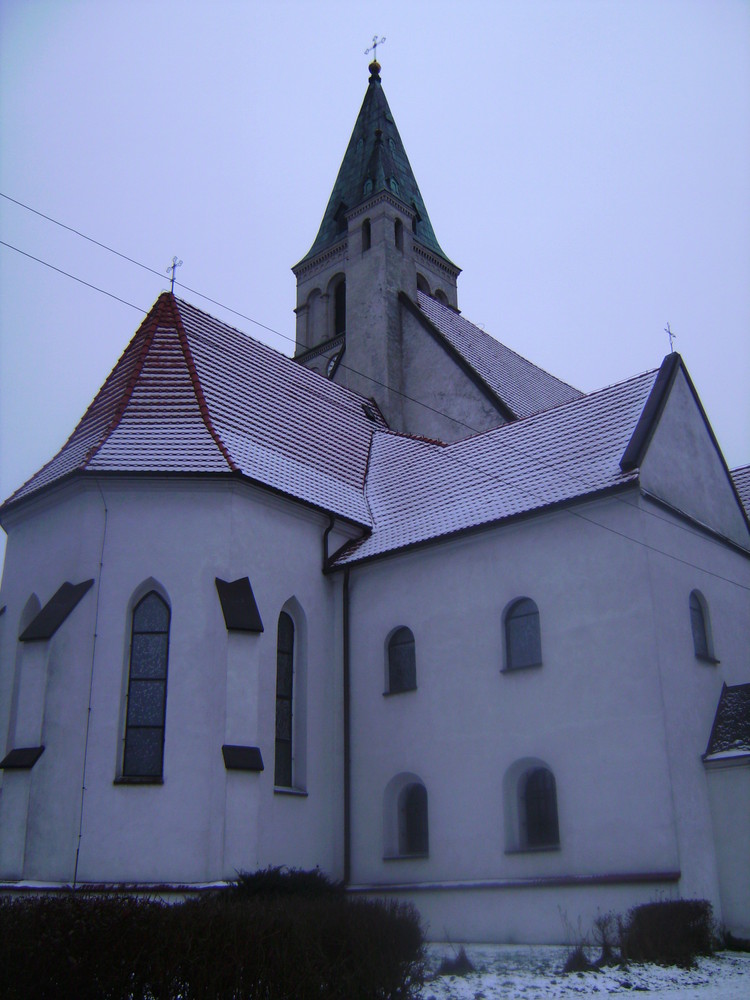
pixel 533 973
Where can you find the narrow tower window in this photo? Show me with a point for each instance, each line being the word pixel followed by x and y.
pixel 339 308
pixel 398 232
pixel 366 235
pixel 284 691
pixel 147 689
pixel 701 627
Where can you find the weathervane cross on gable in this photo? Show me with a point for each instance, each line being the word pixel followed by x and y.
pixel 374 48
pixel 173 268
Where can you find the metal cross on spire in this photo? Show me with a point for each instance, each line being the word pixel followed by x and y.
pixel 374 48
pixel 672 337
pixel 173 267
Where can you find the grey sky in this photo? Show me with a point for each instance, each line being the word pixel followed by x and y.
pixel 586 163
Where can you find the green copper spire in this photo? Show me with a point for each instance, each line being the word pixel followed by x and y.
pixel 375 161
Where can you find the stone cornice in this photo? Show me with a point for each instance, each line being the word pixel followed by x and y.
pixel 308 267
pixel 439 262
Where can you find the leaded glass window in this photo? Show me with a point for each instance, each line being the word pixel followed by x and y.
pixel 523 644
pixel 284 695
pixel 402 666
pixel 147 689
pixel 413 834
pixel 539 809
pixel 699 626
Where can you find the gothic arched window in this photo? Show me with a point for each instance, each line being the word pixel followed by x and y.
pixel 147 689
pixel 402 664
pixel 284 693
pixel 523 643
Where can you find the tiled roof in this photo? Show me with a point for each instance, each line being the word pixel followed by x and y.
pixel 375 160
pixel 741 480
pixel 522 386
pixel 419 491
pixel 730 734
pixel 191 394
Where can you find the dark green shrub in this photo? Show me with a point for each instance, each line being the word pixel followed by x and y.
pixel 224 946
pixel 673 932
pixel 286 882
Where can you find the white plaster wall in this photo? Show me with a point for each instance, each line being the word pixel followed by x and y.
pixel 729 791
pixel 202 823
pixel 594 712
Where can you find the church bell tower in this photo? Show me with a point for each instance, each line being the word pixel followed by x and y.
pixel 375 242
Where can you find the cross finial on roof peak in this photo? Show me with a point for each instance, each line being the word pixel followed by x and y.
pixel 374 66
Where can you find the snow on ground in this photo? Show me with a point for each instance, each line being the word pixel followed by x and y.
pixel 532 972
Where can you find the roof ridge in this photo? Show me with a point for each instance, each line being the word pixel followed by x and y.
pixel 153 319
pixel 196 383
pixel 539 414
pixel 460 315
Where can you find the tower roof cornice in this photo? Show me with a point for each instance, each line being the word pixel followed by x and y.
pixel 375 160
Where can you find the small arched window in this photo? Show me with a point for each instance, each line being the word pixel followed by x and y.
pixel 398 234
pixel 422 285
pixel 441 296
pixel 413 831
pixel 701 627
pixel 402 663
pixel 284 696
pixel 537 809
pixel 523 644
pixel 147 689
pixel 339 308
pixel 366 235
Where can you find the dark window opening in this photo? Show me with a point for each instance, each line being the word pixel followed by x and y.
pixel 147 689
pixel 339 309
pixel 398 233
pixel 539 826
pixel 340 219
pixel 366 235
pixel 402 665
pixel 284 693
pixel 422 285
pixel 441 296
pixel 699 625
pixel 413 835
pixel 523 645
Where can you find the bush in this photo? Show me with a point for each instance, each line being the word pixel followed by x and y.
pixel 459 965
pixel 672 932
pixel 277 882
pixel 273 945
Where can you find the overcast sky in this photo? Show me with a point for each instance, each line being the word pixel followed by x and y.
pixel 587 164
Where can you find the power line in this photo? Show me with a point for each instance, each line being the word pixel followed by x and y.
pixel 73 276
pixel 540 463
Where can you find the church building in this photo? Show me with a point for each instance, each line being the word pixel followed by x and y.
pixel 404 607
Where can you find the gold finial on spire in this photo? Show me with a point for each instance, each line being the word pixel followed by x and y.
pixel 374 66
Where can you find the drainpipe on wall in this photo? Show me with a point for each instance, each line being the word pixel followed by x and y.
pixel 347 735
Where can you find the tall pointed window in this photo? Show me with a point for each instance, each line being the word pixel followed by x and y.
pixel 523 644
pixel 366 235
pixel 147 689
pixel 284 692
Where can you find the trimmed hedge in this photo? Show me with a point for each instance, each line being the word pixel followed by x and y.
pixel 672 932
pixel 225 946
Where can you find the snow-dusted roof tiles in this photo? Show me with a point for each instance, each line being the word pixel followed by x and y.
pixel 191 394
pixel 522 386
pixel 419 491
pixel 741 480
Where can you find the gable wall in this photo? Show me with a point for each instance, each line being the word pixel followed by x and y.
pixel 683 468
